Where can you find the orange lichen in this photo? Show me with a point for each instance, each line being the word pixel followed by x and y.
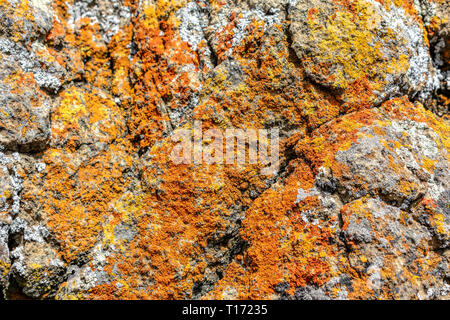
pixel 158 65
pixel 78 196
pixel 116 102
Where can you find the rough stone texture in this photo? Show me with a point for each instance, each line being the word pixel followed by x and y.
pixel 91 92
pixel 363 43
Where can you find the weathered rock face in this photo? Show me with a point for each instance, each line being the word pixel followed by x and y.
pixel 92 94
pixel 364 43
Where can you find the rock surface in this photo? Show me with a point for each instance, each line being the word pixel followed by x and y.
pixel 92 93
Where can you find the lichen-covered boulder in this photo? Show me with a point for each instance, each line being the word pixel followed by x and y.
pixel 94 93
pixel 374 45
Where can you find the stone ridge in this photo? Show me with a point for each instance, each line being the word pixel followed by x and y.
pixel 92 93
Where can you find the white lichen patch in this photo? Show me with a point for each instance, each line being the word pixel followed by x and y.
pixel 40 167
pixel 15 181
pixel 269 18
pixel 47 72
